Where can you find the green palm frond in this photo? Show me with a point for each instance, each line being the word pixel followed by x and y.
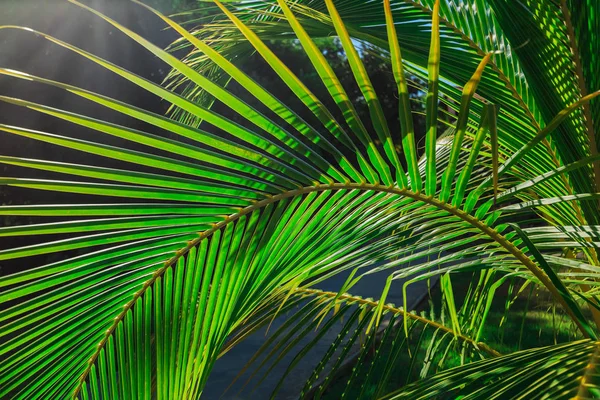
pixel 222 225
pixel 561 371
pixel 463 44
pixel 549 59
pixel 375 353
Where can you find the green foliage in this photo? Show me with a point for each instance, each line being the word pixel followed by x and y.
pixel 263 189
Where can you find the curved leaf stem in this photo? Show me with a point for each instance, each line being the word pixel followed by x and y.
pixel 400 310
pixel 489 231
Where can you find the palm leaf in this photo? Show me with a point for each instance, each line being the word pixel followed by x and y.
pixel 240 216
pixel 557 371
pixel 349 324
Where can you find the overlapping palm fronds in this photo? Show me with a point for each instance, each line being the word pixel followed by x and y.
pixel 225 225
pixel 469 30
pixel 560 372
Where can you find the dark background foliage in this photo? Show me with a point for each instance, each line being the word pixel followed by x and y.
pixel 30 53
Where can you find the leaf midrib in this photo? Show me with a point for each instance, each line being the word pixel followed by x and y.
pixel 492 233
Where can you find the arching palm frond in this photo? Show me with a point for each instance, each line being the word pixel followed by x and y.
pixel 225 223
pixel 375 355
pixel 520 76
